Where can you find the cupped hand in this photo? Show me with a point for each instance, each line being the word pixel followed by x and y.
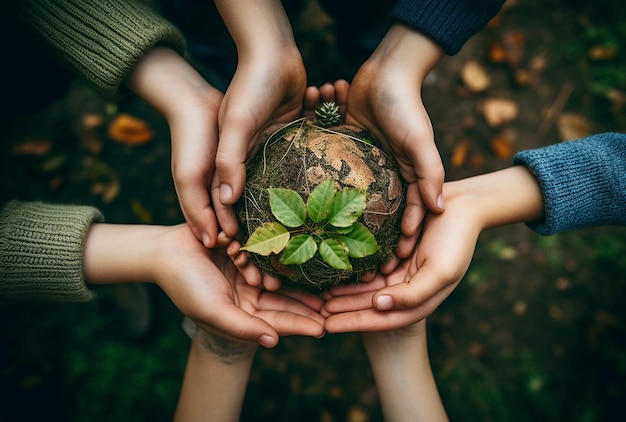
pixel 419 284
pixel 266 92
pixel 385 97
pixel 207 287
pixel 191 106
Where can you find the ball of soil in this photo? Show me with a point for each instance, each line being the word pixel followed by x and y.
pixel 303 155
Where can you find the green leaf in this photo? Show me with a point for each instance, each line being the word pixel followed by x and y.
pixel 360 242
pixel 335 253
pixel 346 207
pixel 287 206
pixel 266 239
pixel 299 250
pixel 318 203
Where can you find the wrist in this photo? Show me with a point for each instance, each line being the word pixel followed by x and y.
pixel 409 48
pixel 164 79
pixel 257 26
pixel 117 253
pixel 497 199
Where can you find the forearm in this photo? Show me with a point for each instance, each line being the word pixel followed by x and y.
pixel 116 253
pixel 409 49
pixel 165 80
pixel 216 377
pixel 257 26
pixel 405 382
pixel 500 198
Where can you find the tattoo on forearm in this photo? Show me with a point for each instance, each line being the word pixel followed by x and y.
pixel 226 351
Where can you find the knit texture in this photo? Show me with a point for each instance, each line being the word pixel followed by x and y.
pixel 101 40
pixel 450 23
pixel 583 182
pixel 41 251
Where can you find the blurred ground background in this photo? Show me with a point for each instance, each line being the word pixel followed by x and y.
pixel 534 332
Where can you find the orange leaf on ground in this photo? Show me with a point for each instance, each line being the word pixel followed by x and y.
pixel 475 76
pixel 499 111
pixel 497 52
pixel 459 154
pixel 130 130
pixel 34 147
pixel 502 147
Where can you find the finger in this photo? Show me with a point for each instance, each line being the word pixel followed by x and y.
pixel 426 284
pixel 342 87
pixel 289 316
pixel 238 132
pixel 246 268
pixel 327 92
pixel 234 323
pixel 378 282
pixel 225 214
pixel 413 213
pixel 289 324
pixel 311 101
pixel 370 320
pixel 271 283
pixel 314 302
pixel 430 176
pixel 391 264
pixel 351 303
pixel 195 204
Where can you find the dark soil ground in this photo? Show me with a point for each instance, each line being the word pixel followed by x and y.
pixel 534 332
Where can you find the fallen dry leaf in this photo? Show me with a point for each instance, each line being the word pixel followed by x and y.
pixel 92 120
pixel 617 99
pixel 502 147
pixel 130 130
pixel 499 111
pixel 573 126
pixel 602 52
pixel 497 52
pixel 475 76
pixel 34 147
pixel 459 154
pixel 515 45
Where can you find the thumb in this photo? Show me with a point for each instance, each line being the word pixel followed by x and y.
pixel 426 289
pixel 230 164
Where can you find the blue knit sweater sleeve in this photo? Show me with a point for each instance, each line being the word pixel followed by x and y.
pixel 450 23
pixel 583 182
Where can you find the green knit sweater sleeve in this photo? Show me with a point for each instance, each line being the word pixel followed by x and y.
pixel 101 40
pixel 41 251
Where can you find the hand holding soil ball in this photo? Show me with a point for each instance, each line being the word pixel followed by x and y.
pixel 322 202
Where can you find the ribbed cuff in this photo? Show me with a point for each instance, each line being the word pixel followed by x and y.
pixel 41 250
pixel 100 40
pixel 450 23
pixel 583 182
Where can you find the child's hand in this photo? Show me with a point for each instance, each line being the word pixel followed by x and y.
pixel 385 97
pixel 208 288
pixel 191 106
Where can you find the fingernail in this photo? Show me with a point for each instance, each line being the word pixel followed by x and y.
pixel 440 203
pixel 384 303
pixel 206 239
pixel 226 192
pixel 267 341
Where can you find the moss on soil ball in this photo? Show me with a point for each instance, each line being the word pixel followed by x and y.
pixel 303 155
